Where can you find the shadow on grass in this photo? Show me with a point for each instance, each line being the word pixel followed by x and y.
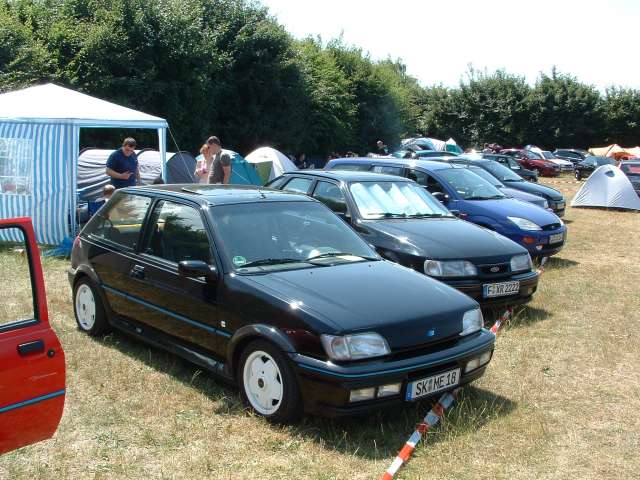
pixel 187 373
pixel 381 434
pixel 558 263
pixel 525 316
pixel 377 435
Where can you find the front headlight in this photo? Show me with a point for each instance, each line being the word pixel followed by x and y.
pixel 452 268
pixel 524 224
pixel 472 321
pixel 521 263
pixel 354 347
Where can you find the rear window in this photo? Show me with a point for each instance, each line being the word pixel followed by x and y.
pixel 120 220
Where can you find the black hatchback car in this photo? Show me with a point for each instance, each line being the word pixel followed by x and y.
pixel 407 225
pixel 273 291
pixel 587 166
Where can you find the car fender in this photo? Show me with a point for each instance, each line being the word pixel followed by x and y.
pixel 256 331
pixel 484 221
pixel 84 270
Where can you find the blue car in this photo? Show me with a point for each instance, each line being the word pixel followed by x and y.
pixel 541 232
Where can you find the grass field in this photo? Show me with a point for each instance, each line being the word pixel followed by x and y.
pixel 561 398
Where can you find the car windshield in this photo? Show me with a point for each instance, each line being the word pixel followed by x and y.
pixel 532 155
pixel 487 176
pixel 600 160
pixel 380 199
pixel 502 173
pixel 267 236
pixel 548 155
pixel 469 185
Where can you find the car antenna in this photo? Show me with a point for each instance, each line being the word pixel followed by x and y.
pixel 188 190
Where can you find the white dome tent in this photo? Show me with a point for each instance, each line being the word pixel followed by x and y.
pixel 270 163
pixel 607 187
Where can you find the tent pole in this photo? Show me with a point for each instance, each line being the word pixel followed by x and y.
pixel 162 147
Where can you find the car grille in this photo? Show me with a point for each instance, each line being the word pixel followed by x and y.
pixel 551 226
pixel 424 349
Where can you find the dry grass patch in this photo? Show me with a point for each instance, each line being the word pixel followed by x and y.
pixel 561 398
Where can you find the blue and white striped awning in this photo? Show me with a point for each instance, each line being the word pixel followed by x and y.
pixel 39 136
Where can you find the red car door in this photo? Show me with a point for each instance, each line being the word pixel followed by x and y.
pixel 32 369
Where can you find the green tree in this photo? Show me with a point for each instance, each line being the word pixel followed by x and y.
pixel 563 112
pixel 620 111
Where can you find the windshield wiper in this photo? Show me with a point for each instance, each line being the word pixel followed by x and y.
pixel 389 214
pixel 492 197
pixel 272 261
pixel 338 254
pixel 428 215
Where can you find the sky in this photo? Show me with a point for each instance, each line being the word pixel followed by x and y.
pixel 596 41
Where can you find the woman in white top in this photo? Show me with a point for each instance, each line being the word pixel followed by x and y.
pixel 204 163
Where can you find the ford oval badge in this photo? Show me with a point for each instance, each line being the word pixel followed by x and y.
pixel 431 333
pixel 495 269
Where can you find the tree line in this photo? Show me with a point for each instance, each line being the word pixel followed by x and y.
pixel 226 67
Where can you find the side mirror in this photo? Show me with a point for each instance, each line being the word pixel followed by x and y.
pixel 197 269
pixel 455 212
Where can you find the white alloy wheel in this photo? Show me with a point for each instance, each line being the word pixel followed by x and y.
pixel 85 307
pixel 263 382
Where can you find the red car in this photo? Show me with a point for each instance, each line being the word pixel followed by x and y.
pixel 533 161
pixel 32 368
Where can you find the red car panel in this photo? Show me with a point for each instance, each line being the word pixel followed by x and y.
pixel 32 367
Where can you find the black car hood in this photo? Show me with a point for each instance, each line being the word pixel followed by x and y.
pixel 379 296
pixel 444 238
pixel 536 189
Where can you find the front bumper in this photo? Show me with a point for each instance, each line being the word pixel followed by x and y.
pixel 326 386
pixel 541 246
pixel 558 207
pixel 474 289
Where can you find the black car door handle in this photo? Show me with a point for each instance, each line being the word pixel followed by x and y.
pixel 137 271
pixel 30 348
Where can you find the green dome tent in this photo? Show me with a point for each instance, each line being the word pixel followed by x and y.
pixel 242 173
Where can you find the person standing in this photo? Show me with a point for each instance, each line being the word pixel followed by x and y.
pixel 381 148
pixel 204 163
pixel 221 166
pixel 122 165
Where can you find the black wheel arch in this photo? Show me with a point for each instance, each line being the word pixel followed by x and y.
pixel 258 331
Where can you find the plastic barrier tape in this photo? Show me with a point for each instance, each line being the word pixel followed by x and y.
pixel 436 412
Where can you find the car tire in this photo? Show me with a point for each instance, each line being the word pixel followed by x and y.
pixel 578 175
pixel 268 384
pixel 88 308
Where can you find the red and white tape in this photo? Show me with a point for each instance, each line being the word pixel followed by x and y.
pixel 431 419
pixel 434 415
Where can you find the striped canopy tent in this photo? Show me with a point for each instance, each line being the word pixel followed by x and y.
pixel 39 146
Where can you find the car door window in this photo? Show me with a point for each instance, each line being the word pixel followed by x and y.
pixel 389 170
pixel 427 181
pixel 417 176
pixel 177 233
pixel 331 195
pixel 16 302
pixel 278 182
pixel 297 184
pixel 120 221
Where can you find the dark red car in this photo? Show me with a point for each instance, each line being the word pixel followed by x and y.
pixel 32 369
pixel 533 161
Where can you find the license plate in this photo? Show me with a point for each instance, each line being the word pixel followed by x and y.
pixel 500 289
pixel 433 384
pixel 560 205
pixel 557 238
